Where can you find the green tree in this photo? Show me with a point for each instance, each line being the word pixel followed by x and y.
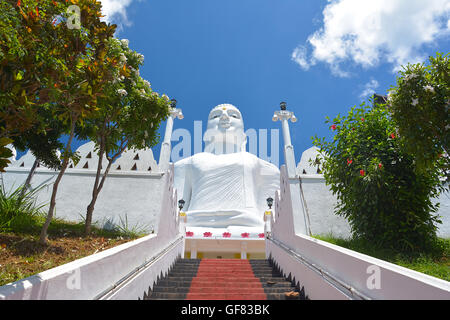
pixel 129 115
pixel 419 104
pixel 34 57
pixel 379 191
pixel 85 72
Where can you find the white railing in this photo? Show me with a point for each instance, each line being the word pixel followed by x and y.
pixel 123 272
pixel 327 271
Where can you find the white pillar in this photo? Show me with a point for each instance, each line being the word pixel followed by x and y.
pixel 289 155
pixel 286 133
pixel 267 222
pixel 182 219
pixel 193 249
pixel 164 155
pixel 243 250
pixel 299 217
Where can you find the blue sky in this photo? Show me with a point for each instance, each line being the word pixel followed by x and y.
pixel 318 56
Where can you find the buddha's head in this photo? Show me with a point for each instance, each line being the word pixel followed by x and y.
pixel 225 130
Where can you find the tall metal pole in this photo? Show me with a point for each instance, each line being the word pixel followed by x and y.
pixel 164 155
pixel 283 115
pixel 301 223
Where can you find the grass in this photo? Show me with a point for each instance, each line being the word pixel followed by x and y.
pixel 21 255
pixel 434 265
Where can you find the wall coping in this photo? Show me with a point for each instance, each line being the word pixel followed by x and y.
pixel 89 172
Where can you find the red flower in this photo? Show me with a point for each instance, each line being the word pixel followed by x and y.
pixel 392 136
pixel 362 119
pixel 261 235
pixel 207 234
pixel 189 233
pixel 349 162
pixel 245 235
pixel 362 172
pixel 18 3
pixel 226 234
pixel 333 127
pixel 380 165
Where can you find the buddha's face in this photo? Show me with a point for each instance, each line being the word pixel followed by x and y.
pixel 225 118
pixel 225 124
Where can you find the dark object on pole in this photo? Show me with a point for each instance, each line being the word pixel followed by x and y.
pixel 283 105
pixel 269 202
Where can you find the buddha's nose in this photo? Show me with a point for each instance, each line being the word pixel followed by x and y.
pixel 224 116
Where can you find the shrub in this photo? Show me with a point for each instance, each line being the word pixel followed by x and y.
pixel 19 212
pixel 419 104
pixel 386 201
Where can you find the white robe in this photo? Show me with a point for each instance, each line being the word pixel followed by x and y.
pixel 226 192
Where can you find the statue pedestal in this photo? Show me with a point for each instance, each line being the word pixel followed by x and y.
pixel 212 244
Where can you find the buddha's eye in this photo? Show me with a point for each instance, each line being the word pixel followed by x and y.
pixel 215 117
pixel 234 116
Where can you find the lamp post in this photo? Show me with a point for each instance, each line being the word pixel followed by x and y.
pixel 267 217
pixel 164 157
pixel 284 115
pixel 181 203
pixel 182 216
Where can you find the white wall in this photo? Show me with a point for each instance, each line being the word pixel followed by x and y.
pixel 327 271
pixel 135 194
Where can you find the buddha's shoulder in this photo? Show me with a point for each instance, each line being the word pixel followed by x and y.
pixel 198 157
pixel 206 157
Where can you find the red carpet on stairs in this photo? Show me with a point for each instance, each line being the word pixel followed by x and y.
pixel 225 279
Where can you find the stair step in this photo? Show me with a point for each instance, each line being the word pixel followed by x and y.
pixel 202 273
pixel 166 296
pixel 222 279
pixel 242 285
pixel 170 289
pixel 227 290
pixel 230 280
pixel 279 296
pixel 221 296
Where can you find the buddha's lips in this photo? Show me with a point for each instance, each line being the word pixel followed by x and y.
pixel 225 124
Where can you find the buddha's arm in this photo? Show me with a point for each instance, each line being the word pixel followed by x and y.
pixel 182 181
pixel 269 180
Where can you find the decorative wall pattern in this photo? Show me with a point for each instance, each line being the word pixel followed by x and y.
pixel 130 160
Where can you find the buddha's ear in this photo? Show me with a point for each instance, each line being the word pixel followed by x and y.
pixel 208 139
pixel 207 136
pixel 244 143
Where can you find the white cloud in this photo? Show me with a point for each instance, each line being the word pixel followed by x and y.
pixel 367 32
pixel 115 11
pixel 369 88
pixel 299 56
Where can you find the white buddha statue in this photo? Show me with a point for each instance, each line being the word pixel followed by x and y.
pixel 225 188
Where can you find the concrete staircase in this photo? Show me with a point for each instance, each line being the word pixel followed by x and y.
pixel 224 279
